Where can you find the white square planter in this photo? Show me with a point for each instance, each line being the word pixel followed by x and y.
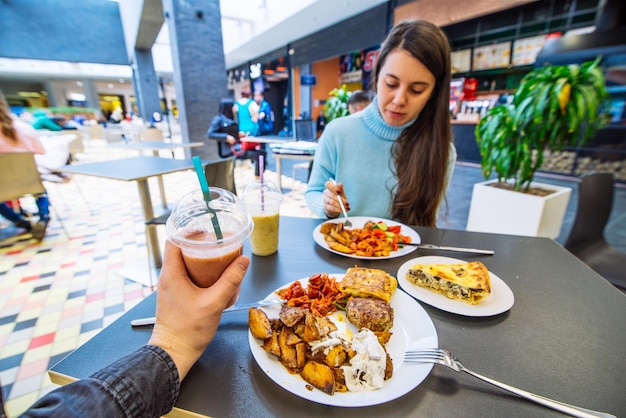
pixel 503 211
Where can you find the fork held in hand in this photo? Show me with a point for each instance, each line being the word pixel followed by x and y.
pixel 347 222
pixel 444 357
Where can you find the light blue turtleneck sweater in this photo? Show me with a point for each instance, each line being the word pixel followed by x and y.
pixel 356 150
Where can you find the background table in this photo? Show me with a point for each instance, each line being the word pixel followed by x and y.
pixel 279 156
pixel 564 338
pixel 155 147
pixel 138 169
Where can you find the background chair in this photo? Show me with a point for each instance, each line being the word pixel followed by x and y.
pixel 152 134
pixel 220 173
pixel 113 135
pixel 586 239
pixel 19 177
pixel 305 131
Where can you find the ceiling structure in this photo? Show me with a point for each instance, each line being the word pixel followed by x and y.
pixel 250 28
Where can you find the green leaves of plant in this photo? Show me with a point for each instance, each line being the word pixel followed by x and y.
pixel 336 105
pixel 555 106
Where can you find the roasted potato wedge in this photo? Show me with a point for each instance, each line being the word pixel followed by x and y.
pixel 327 227
pixel 336 356
pixel 310 329
pixel 259 323
pixel 290 315
pixel 301 349
pixel 292 338
pixel 288 354
pixel 340 247
pixel 388 368
pixel 271 344
pixel 383 337
pixel 319 376
pixel 340 380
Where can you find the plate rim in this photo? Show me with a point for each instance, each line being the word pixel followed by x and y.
pixel 436 300
pixel 415 236
pixel 413 373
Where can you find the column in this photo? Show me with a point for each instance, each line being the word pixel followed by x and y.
pixel 195 31
pixel 146 84
pixel 90 89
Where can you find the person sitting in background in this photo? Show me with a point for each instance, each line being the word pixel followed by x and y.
pixel 42 119
pixel 64 123
pixel 18 136
pixel 359 100
pixel 266 115
pixel 146 383
pixel 224 129
pixel 400 157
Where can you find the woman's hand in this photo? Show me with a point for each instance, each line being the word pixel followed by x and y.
pixel 331 204
pixel 231 139
pixel 187 316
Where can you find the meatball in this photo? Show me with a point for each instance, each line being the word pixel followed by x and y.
pixel 371 313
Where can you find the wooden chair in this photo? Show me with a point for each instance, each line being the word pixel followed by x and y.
pixel 94 131
pixel 113 135
pixel 586 239
pixel 19 177
pixel 220 173
pixel 152 134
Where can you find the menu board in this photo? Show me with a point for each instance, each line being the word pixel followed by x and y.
pixel 461 61
pixel 492 56
pixel 525 50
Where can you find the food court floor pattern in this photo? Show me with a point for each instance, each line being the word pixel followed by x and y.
pixel 57 294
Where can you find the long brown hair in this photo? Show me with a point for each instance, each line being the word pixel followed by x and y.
pixel 421 152
pixel 6 120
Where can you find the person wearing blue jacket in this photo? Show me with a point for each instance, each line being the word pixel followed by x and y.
pixel 266 115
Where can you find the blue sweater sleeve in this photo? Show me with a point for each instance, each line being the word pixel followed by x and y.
pixel 142 384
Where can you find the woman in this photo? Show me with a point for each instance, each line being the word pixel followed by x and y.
pixel 408 120
pixel 18 136
pixel 224 129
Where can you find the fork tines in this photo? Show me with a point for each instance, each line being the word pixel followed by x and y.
pixel 424 354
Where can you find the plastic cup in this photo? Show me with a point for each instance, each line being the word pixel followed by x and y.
pixel 190 228
pixel 263 202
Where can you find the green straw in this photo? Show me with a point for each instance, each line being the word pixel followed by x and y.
pixel 206 193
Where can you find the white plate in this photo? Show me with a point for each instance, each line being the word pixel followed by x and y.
pixel 358 222
pixel 412 329
pixel 500 300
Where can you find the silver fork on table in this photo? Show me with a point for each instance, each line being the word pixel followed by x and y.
pixel 347 222
pixel 440 356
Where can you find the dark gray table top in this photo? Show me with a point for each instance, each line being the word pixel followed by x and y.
pixel 129 169
pixel 564 338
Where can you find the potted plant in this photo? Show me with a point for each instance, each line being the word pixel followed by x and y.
pixel 336 105
pixel 555 106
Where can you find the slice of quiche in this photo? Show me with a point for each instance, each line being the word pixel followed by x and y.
pixel 365 282
pixel 466 282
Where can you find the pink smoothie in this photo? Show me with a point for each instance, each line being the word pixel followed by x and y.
pixel 206 265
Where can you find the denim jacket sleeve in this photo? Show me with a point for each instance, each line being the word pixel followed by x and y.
pixel 142 384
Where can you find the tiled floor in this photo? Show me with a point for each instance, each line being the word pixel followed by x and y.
pixel 57 294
